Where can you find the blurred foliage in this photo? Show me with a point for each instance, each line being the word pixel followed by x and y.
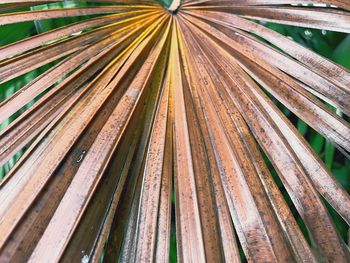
pixel 331 45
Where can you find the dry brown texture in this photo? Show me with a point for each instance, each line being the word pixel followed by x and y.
pixel 163 101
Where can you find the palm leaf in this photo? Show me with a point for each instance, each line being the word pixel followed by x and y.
pixel 143 102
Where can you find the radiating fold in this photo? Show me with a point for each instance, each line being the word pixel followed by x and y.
pixel 151 125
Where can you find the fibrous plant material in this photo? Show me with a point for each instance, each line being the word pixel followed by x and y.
pixel 143 103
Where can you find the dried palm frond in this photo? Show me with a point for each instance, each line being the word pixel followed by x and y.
pixel 143 101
